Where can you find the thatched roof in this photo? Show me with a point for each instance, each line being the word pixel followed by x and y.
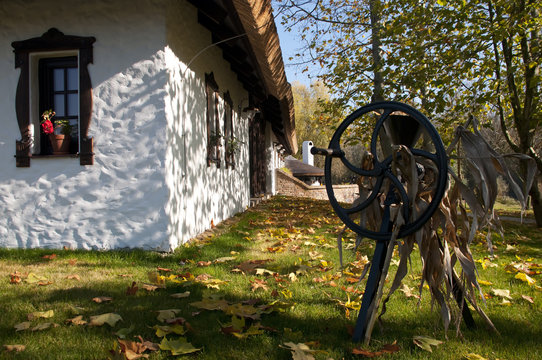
pixel 256 57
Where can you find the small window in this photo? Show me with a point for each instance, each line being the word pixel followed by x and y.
pixel 231 142
pixel 59 91
pixel 214 137
pixel 53 75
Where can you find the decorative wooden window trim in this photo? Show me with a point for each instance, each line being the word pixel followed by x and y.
pixel 213 121
pixel 53 40
pixel 229 137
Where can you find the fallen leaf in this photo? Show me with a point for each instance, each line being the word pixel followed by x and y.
pixel 23 326
pixel 72 262
pixel 15 278
pixel 109 318
pixel 44 326
pixel 258 284
pixel 78 320
pixel 124 332
pixel 101 299
pixel 527 298
pixel 425 342
pixel 181 295
pixel 73 277
pixel 204 263
pixel 178 347
pixel 299 351
pixel 386 349
pixel 483 282
pixel 224 259
pixel 525 278
pixel 33 278
pixel 163 330
pixel 501 293
pixel 44 283
pixel 251 265
pixel 156 278
pixel 16 348
pixel 40 314
pixel 163 269
pixel 163 315
pixel 265 272
pixel 408 292
pixel 150 287
pixel 135 347
pixel 49 257
pixel 151 346
pixel 132 290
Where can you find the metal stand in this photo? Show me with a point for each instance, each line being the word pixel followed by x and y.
pixel 403 125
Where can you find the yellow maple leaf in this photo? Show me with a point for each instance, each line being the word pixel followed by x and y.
pixel 525 278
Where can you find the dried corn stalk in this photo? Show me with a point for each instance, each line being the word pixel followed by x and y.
pixel 444 240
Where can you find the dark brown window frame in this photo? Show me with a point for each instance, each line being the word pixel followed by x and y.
pixel 212 95
pixel 53 40
pixel 228 130
pixel 47 94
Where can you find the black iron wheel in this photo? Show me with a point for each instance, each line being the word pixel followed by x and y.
pixel 396 124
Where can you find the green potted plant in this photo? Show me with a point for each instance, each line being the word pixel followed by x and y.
pixel 233 145
pixel 59 141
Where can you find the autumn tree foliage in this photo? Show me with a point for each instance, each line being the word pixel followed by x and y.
pixel 453 60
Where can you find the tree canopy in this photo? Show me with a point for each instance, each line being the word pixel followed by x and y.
pixel 453 60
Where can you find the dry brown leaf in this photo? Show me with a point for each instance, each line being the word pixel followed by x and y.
pixel 163 269
pixel 15 277
pixel 527 298
pixel 258 284
pixel 151 287
pixel 73 277
pixel 72 262
pixel 15 348
pixel 181 295
pixel 132 290
pixel 101 299
pixel 44 326
pixel 78 320
pixel 44 283
pixel 22 326
pixel 49 257
pixel 386 349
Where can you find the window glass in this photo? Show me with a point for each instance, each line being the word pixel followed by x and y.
pixel 59 105
pixel 73 76
pixel 58 79
pixel 73 101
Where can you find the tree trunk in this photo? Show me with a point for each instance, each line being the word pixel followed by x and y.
pixel 376 44
pixel 536 201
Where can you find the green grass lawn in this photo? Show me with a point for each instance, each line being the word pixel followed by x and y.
pixel 231 308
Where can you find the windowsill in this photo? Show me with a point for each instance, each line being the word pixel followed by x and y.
pixel 55 156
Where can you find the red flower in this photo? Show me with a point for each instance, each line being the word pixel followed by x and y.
pixel 47 127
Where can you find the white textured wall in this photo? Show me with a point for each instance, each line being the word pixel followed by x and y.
pixel 144 189
pixel 202 194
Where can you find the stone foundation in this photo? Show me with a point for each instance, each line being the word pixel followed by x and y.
pixel 291 186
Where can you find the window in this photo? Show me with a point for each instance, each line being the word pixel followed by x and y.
pixel 53 66
pixel 59 90
pixel 214 137
pixel 231 142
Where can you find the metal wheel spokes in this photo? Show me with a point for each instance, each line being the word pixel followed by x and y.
pixel 377 173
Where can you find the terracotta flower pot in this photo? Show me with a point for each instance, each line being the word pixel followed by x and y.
pixel 60 143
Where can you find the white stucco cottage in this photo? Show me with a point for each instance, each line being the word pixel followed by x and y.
pixel 147 85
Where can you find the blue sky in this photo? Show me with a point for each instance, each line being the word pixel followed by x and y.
pixel 290 45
